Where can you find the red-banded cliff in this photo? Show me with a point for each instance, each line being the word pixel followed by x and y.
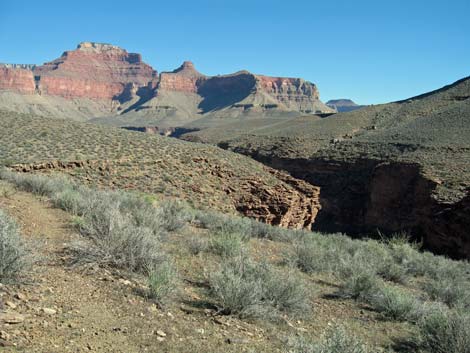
pixel 184 79
pixel 124 85
pixel 97 71
pixel 16 78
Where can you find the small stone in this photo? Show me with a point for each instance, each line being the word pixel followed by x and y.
pixel 10 304
pixel 49 311
pixel 200 331
pixel 218 321
pixel 160 339
pixel 11 318
pixel 20 296
pixel 152 309
pixel 161 333
pixel 4 336
pixel 125 281
pixel 4 343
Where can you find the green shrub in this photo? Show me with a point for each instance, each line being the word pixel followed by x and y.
pixel 445 331
pixel 14 256
pixel 114 240
pixel 197 245
pixel 248 289
pixel 451 291
pixel 173 215
pixel 226 244
pixel 36 184
pixel 218 222
pixel 162 281
pixel 314 253
pixel 359 283
pixel 395 304
pixel 334 340
pixel 69 200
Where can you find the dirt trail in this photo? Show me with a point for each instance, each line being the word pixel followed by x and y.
pixel 92 311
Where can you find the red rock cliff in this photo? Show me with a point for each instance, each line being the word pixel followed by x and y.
pixel 184 79
pixel 97 71
pixel 18 79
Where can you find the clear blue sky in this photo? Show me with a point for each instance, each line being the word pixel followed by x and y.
pixel 370 51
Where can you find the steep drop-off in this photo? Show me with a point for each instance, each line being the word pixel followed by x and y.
pixel 402 166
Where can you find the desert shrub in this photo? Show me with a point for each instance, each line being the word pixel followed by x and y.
pixel 162 281
pixel 173 215
pixel 334 340
pixel 358 282
pixel 69 200
pixel 114 240
pixel 286 291
pixel 226 244
pixel 197 245
pixel 451 291
pixel 14 256
pixel 315 253
pixel 248 289
pixel 218 222
pixel 395 304
pixel 445 331
pixel 36 184
pixel 379 257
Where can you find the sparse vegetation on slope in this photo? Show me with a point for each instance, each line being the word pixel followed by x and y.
pixel 402 166
pixel 14 255
pixel 111 158
pixel 242 281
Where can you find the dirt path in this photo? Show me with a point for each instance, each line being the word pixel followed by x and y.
pixel 71 310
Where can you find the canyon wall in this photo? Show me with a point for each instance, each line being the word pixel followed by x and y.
pixel 365 196
pixel 17 78
pixel 97 71
pixel 108 73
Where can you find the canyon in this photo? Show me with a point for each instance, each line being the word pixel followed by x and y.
pixel 365 171
pixel 123 88
pixel 401 167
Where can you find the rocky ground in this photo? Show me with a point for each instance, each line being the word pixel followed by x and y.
pixel 78 309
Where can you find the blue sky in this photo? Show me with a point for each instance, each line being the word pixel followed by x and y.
pixel 370 51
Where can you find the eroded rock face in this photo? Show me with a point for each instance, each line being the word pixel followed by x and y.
pixel 93 70
pixel 17 78
pixel 292 203
pixel 108 73
pixel 293 92
pixel 184 79
pixel 364 196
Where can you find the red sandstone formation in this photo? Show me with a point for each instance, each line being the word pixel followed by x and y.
pixel 97 71
pixel 286 86
pixel 16 79
pixel 106 72
pixel 183 79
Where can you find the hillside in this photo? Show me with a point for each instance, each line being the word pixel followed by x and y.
pixel 110 157
pixel 400 166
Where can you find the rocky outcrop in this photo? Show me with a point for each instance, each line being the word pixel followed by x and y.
pixel 17 78
pixel 343 105
pixel 366 196
pixel 184 79
pixel 93 70
pixel 107 73
pixel 288 203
